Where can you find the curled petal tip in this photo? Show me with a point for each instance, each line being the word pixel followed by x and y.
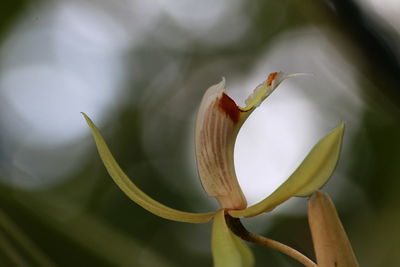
pixel 342 126
pixel 300 74
pixel 262 91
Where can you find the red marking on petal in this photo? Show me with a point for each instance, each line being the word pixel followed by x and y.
pixel 271 78
pixel 229 107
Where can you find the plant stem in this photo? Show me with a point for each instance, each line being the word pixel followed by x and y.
pixel 238 229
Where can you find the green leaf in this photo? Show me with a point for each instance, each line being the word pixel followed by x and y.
pixel 133 192
pixel 228 250
pixel 312 173
pixel 331 245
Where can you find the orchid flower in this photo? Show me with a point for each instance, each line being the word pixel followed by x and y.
pixel 218 122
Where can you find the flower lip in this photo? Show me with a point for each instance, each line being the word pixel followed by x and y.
pixel 229 107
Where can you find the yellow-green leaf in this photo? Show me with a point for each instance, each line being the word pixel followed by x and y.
pixel 133 192
pixel 312 173
pixel 321 161
pixel 228 250
pixel 331 245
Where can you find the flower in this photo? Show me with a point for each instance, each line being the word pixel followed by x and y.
pixel 218 123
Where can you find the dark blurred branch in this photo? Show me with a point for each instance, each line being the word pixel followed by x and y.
pixel 35 254
pixel 9 14
pixel 372 39
pixel 238 229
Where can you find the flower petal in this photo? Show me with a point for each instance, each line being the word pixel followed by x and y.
pixel 312 173
pixel 331 244
pixel 133 192
pixel 227 248
pixel 218 122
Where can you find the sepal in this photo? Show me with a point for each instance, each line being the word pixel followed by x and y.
pixel 313 173
pixel 133 192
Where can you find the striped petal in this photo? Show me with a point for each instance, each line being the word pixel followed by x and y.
pixel 133 192
pixel 218 122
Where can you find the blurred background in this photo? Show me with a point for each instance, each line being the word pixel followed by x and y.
pixel 138 69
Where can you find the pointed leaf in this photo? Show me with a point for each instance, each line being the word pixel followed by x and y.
pixel 227 248
pixel 322 161
pixel 331 245
pixel 312 173
pixel 133 192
